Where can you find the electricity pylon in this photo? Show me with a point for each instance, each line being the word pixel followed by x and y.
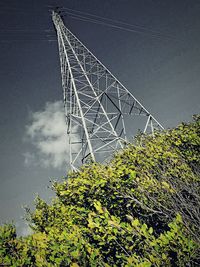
pixel 95 102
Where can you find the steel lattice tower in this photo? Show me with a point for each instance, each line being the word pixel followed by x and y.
pixel 96 103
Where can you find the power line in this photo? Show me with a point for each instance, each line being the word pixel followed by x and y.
pixel 87 17
pixel 82 18
pixel 136 26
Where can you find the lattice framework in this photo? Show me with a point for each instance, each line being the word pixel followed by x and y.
pixel 95 102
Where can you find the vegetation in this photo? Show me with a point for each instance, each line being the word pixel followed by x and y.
pixel 141 209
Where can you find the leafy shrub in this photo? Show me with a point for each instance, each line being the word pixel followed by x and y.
pixel 141 209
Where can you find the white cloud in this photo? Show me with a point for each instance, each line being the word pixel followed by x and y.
pixel 47 132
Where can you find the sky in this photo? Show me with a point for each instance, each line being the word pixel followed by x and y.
pixel 158 60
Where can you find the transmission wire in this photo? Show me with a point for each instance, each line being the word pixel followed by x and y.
pixel 83 18
pixel 116 21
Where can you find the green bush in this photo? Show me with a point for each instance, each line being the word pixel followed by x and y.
pixel 141 209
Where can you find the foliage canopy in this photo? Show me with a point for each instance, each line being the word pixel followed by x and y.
pixel 140 209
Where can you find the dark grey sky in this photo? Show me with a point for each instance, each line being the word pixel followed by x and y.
pixel 162 72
